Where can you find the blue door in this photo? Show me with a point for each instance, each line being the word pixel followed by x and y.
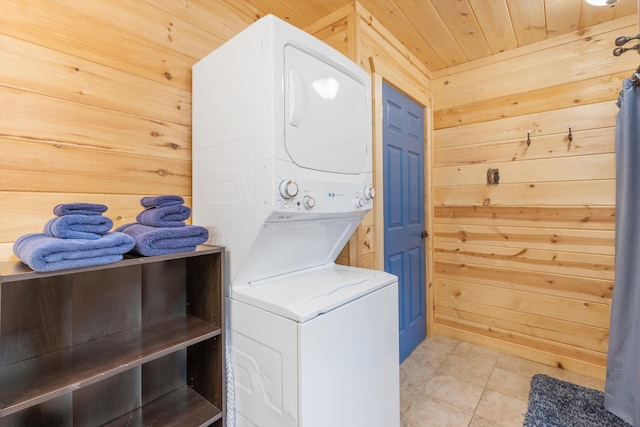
pixel 404 245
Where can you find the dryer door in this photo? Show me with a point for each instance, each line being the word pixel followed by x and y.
pixel 326 115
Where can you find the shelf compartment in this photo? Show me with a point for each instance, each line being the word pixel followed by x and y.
pixel 40 379
pixel 180 408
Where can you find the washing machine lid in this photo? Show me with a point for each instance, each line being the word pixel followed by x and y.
pixel 305 294
pixel 326 114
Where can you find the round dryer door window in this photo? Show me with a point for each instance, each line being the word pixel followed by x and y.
pixel 326 115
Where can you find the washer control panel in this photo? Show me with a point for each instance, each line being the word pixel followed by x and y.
pixel 307 196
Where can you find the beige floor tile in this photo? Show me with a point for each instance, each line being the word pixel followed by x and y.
pixel 415 371
pixel 521 366
pixel 509 384
pixel 428 411
pixel 560 374
pixel 585 381
pixel 463 394
pixel 503 410
pixel 478 421
pixel 431 358
pixel 476 371
pixel 439 343
pixel 408 395
pixel 445 382
pixel 475 352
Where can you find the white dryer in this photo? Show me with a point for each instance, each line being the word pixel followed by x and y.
pixel 282 178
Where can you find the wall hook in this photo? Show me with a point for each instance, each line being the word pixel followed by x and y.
pixel 570 135
pixel 528 137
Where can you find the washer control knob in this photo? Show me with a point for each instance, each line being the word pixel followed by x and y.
pixel 308 202
pixel 288 189
pixel 369 192
pixel 359 202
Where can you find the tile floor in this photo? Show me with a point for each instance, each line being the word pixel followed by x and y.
pixel 445 382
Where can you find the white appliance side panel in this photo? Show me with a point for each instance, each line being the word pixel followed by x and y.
pixel 349 364
pixel 326 114
pixel 229 105
pixel 225 199
pixel 264 356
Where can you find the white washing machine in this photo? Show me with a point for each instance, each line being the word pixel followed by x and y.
pixel 282 178
pixel 316 348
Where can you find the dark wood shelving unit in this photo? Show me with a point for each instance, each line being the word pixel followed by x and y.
pixel 134 343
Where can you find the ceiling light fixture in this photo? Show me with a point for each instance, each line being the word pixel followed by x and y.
pixel 602 2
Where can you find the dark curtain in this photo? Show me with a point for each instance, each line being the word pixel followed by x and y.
pixel 622 393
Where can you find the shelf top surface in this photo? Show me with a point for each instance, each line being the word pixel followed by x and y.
pixel 11 271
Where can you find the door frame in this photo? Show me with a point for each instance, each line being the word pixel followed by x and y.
pixel 378 183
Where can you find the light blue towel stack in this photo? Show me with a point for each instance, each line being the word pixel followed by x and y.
pixel 78 221
pixel 77 237
pixel 163 211
pixel 161 229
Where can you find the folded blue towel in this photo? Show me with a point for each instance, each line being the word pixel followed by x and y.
pixel 158 201
pixel 78 226
pixel 46 253
pixel 165 216
pixel 164 240
pixel 79 209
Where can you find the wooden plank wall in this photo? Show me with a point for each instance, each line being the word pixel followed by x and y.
pixel 526 266
pixel 96 103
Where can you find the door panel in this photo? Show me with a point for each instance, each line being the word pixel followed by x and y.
pixel 404 247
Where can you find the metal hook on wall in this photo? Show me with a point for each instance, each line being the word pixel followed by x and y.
pixel 620 50
pixel 620 41
pixel 528 137
pixel 570 135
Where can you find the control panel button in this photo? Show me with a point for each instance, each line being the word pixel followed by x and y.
pixel 359 202
pixel 369 192
pixel 308 202
pixel 288 189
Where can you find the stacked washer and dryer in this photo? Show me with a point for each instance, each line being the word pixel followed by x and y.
pixel 282 170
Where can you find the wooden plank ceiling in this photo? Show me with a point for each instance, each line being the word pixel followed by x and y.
pixel 443 33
